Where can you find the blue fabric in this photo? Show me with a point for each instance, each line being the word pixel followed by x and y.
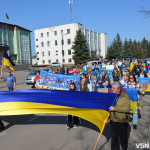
pixel 7 57
pixel 132 93
pixel 146 66
pixel 63 98
pixel 10 80
pixel 124 69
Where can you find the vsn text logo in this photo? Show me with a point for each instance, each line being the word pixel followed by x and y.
pixel 142 145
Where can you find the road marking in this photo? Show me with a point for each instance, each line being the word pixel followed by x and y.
pixel 3 133
pixel 35 118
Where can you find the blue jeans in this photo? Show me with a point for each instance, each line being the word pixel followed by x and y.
pixel 135 118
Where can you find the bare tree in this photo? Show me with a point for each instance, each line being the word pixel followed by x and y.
pixel 145 12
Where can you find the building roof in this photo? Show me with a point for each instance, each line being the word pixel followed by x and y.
pixel 59 25
pixel 15 26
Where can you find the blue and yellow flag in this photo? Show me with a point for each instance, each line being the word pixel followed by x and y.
pixel 91 106
pixel 7 61
pixel 131 64
pixel 132 93
pixel 7 17
pixel 146 66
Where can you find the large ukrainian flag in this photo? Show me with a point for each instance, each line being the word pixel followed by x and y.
pixel 132 93
pixel 7 61
pixel 90 106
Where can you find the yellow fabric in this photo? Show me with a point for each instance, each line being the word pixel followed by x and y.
pixel 132 65
pixel 132 106
pixel 6 62
pixel 6 17
pixel 98 117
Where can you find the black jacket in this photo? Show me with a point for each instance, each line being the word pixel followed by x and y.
pixel 115 76
pixel 66 71
pixel 139 72
pixel 62 70
pixel 135 70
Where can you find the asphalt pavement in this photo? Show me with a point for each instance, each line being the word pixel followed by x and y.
pixel 47 131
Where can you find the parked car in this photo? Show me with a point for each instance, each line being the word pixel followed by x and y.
pixel 71 68
pixel 55 64
pixel 32 75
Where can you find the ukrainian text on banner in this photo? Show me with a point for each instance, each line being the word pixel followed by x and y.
pixel 145 83
pixel 51 81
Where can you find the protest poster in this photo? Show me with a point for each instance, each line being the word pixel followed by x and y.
pixel 109 67
pixel 53 81
pixel 145 83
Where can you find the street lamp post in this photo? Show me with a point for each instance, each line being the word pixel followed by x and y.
pixel 63 42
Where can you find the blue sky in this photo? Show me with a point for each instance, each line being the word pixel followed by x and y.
pixel 109 16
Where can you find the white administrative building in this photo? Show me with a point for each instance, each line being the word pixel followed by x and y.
pixel 49 48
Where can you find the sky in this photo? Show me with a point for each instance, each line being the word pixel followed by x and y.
pixel 109 16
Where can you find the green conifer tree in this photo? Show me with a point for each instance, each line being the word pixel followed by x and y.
pixel 81 51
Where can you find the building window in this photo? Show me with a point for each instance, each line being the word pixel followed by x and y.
pixel 62 42
pixel 37 58
pixel 37 52
pixel 61 32
pixel 55 32
pixel 4 27
pixel 43 61
pixel 42 44
pixel 55 42
pixel 68 31
pixel 69 41
pixel 5 38
pixel 41 34
pixel 63 52
pixel 63 60
pixel 56 60
pixel 69 60
pixel 48 53
pixel 49 61
pixel 37 46
pixel 36 39
pixel 42 53
pixel 47 34
pixel 69 52
pixel 12 38
pixel 57 52
pixel 48 43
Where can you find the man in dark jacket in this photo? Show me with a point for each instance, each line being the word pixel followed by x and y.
pixel 62 70
pixel 142 73
pixel 66 70
pixel 135 69
pixel 119 118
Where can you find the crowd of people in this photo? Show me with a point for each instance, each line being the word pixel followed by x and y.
pixel 121 77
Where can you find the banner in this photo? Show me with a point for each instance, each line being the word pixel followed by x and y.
pixel 52 81
pixel 145 83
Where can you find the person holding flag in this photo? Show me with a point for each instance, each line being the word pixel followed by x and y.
pixel 11 80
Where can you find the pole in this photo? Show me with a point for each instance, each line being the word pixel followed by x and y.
pixel 97 141
pixel 100 133
pixel 1 70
